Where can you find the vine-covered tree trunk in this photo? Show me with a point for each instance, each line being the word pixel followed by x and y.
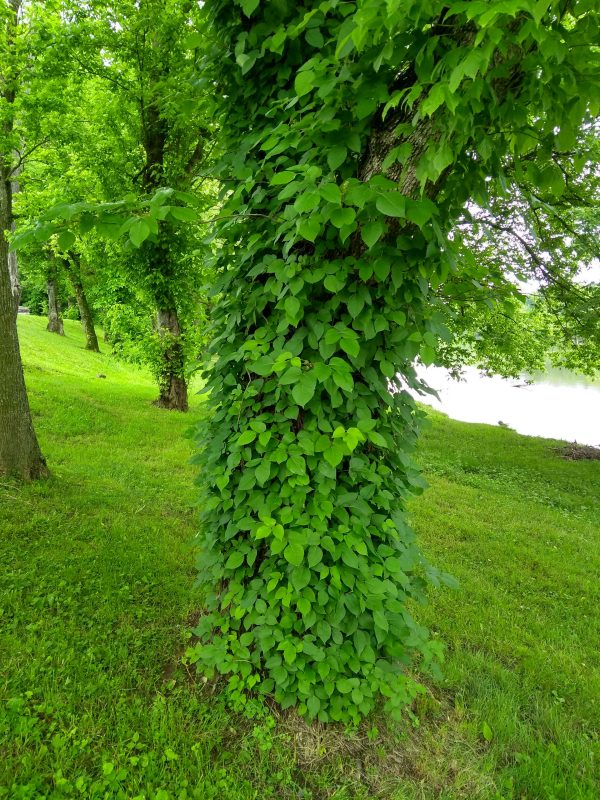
pixel 73 269
pixel 172 384
pixel 55 321
pixel 20 454
pixel 355 134
pixel 171 371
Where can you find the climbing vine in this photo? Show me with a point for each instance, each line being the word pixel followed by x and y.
pixel 353 135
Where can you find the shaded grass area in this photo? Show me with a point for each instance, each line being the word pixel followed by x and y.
pixel 96 587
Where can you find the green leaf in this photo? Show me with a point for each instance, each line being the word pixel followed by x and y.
pixel 235 560
pixel 296 465
pixel 139 232
pixel 342 216
pixel 336 156
pixel 292 308
pixel 282 178
pixel 487 732
pixel 184 214
pixel 372 232
pixel 304 390
pixel 323 630
pixel 420 211
pixel 355 305
pixel 305 82
pixel 434 100
pixel 315 556
pixel 392 204
pixel 194 40
pixel 246 438
pixel 309 228
pixel 249 6
pixel 331 192
pixel 294 554
pixel 313 705
pixel 380 620
pixel 350 346
pixel 307 201
pixel 66 240
pixel 263 472
pixel 315 37
pixel 334 455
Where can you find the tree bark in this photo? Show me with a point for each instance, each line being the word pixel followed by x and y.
pixel 73 268
pixel 172 386
pixel 13 263
pixel 55 322
pixel 20 454
pixel 13 271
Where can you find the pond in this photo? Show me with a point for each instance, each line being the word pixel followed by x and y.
pixel 557 405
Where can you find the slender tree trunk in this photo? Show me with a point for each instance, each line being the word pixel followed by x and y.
pixel 13 271
pixel 55 322
pixel 20 454
pixel 172 385
pixel 13 263
pixel 171 380
pixel 73 269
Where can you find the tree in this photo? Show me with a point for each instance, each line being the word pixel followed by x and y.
pixel 353 138
pixel 55 321
pixel 72 265
pixel 137 47
pixel 20 454
pixel 533 246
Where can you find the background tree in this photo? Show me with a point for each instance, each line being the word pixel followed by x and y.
pixel 137 48
pixel 20 453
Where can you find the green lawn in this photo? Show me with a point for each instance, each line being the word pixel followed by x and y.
pixel 96 590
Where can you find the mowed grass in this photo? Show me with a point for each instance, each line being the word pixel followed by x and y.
pixel 97 590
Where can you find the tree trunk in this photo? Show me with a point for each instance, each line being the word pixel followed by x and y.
pixel 20 454
pixel 55 323
pixel 73 268
pixel 13 263
pixel 13 271
pixel 172 386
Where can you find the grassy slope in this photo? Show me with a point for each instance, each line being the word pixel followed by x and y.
pixel 96 575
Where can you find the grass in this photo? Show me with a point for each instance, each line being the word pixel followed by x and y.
pixel 96 590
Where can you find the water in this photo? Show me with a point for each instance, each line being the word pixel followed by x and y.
pixel 558 405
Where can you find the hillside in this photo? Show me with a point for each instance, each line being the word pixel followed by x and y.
pixel 96 594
